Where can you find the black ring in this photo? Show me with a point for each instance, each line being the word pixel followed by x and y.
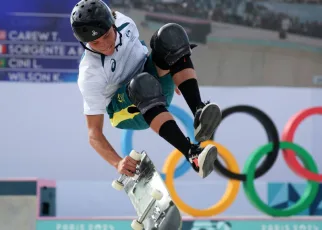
pixel 272 135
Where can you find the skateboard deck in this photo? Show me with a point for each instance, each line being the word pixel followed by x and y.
pixel 149 197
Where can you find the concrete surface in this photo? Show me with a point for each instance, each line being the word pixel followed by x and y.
pixel 18 212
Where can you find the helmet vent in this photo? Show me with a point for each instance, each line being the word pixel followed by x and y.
pixel 74 13
pixel 80 15
pixel 93 3
pixel 82 6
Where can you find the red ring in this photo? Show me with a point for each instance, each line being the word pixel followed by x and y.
pixel 288 135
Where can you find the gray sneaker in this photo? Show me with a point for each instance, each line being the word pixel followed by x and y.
pixel 207 119
pixel 202 159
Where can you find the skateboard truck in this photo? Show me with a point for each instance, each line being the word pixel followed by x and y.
pixel 118 184
pixel 137 224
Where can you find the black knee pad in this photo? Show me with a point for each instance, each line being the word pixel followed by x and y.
pixel 169 44
pixel 145 92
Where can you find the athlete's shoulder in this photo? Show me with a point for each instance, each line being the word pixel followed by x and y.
pixel 90 59
pixel 90 66
pixel 123 20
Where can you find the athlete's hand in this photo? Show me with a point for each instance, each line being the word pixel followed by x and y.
pixel 127 166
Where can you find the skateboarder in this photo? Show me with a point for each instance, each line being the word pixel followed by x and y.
pixel 118 76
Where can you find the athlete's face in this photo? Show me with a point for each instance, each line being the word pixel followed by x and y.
pixel 106 43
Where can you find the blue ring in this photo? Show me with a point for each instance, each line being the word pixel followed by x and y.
pixel 127 137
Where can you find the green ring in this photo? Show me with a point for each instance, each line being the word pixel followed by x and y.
pixel 249 187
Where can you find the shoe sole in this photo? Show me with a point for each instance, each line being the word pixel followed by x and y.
pixel 206 161
pixel 209 120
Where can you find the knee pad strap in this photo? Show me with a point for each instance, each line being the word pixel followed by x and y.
pixel 183 63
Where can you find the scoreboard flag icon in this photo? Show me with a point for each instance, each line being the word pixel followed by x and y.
pixel 2 63
pixel 3 35
pixel 3 49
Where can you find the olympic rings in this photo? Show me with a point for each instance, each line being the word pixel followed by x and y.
pixel 309 194
pixel 249 172
pixel 231 190
pixel 127 135
pixel 288 135
pixel 272 137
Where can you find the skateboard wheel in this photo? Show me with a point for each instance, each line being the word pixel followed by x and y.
pixel 156 194
pixel 135 155
pixel 136 225
pixel 117 185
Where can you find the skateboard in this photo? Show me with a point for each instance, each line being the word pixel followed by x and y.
pixel 149 197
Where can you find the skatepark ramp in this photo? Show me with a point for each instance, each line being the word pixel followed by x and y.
pixel 240 56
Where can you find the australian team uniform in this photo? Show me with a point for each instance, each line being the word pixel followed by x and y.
pixel 103 79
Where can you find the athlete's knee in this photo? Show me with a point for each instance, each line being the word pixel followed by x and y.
pixel 171 48
pixel 145 92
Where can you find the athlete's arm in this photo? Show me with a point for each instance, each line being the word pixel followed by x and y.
pixel 96 96
pixel 99 142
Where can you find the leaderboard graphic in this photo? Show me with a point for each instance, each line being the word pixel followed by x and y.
pixel 37 44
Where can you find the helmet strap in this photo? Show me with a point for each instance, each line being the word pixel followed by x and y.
pixel 88 49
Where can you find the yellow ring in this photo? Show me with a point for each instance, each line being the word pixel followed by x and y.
pixel 231 189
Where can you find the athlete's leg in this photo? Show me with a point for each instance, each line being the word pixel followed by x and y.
pixel 145 92
pixel 123 113
pixel 171 50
